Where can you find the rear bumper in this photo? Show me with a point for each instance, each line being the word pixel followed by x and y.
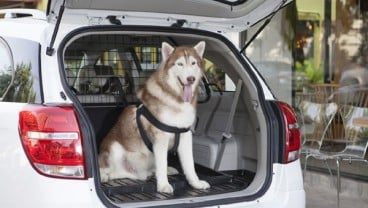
pixel 285 191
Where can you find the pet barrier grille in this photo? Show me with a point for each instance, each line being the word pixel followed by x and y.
pixel 102 68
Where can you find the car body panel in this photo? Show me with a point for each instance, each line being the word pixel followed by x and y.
pixel 23 186
pixel 286 189
pixel 209 15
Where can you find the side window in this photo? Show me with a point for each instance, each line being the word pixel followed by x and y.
pixel 149 57
pixel 112 58
pixel 217 78
pixel 6 68
pixel 22 75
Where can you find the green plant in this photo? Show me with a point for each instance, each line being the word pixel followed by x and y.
pixel 315 75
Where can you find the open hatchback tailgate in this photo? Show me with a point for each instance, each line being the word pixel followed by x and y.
pixel 211 15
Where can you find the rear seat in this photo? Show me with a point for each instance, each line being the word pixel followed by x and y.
pixel 86 79
pixel 92 85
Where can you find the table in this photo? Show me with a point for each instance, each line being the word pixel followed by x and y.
pixel 361 121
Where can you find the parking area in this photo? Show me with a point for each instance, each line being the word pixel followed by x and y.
pixel 321 191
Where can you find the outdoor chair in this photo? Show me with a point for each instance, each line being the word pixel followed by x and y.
pixel 317 110
pixel 353 110
pixel 345 135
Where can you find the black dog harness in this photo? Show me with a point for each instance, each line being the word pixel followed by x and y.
pixel 142 110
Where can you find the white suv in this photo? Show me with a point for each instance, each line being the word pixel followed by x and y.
pixel 65 76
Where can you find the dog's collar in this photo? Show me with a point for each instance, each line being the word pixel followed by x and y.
pixel 142 110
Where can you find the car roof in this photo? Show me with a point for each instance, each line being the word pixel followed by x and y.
pixel 25 28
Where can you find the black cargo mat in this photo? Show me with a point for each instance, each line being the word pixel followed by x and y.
pixel 128 190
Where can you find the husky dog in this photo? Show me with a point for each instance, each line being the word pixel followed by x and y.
pixel 170 96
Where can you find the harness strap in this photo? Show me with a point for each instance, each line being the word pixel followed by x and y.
pixel 142 110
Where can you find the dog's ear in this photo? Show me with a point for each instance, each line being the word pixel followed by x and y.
pixel 167 49
pixel 200 48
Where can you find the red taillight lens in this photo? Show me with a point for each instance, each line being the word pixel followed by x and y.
pixel 293 135
pixel 52 140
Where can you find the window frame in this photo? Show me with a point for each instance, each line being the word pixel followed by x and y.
pixel 8 51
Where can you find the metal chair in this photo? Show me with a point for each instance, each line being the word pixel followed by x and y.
pixel 317 111
pixel 345 135
pixel 353 110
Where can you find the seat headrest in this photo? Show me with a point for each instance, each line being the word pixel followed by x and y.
pixel 103 70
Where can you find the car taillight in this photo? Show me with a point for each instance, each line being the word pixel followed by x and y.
pixel 52 140
pixel 293 135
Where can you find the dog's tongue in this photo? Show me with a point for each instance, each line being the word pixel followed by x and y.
pixel 187 94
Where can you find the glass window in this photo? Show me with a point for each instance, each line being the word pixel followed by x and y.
pixel 271 53
pixel 25 84
pixel 312 42
pixel 314 55
pixel 6 68
pixel 331 45
pixel 215 76
pixel 332 42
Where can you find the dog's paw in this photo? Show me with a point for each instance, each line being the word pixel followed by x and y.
pixel 172 171
pixel 165 188
pixel 104 175
pixel 200 184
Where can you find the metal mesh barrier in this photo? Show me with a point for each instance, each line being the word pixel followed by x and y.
pixel 111 68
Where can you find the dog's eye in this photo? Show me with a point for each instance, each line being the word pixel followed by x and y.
pixel 193 63
pixel 180 64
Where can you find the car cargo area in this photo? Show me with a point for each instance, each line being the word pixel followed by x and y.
pixel 104 70
pixel 128 190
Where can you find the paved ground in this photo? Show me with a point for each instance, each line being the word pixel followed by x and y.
pixel 318 198
pixel 321 192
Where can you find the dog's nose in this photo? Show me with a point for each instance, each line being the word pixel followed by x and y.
pixel 190 79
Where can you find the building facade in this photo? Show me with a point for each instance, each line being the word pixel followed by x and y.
pixel 39 4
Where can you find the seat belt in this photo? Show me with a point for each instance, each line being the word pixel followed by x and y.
pixel 227 135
